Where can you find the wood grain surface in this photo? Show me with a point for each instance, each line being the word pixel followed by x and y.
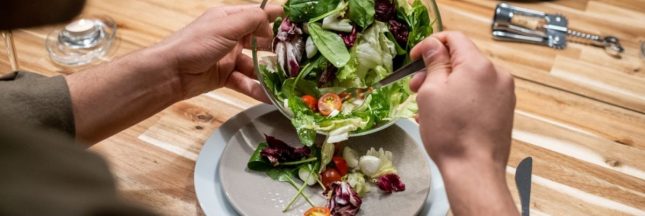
pixel 580 113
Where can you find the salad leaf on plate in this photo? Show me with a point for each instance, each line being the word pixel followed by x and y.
pixel 257 162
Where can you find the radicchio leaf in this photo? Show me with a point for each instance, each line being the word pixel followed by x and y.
pixel 344 200
pixel 289 47
pixel 278 151
pixel 385 10
pixel 400 30
pixel 390 183
pixel 349 38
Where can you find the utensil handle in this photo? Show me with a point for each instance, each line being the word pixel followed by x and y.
pixel 401 73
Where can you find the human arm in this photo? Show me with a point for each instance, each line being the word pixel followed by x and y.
pixel 465 118
pixel 203 56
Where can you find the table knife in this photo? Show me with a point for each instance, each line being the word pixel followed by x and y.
pixel 523 181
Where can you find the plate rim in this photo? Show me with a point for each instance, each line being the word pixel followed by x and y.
pixel 207 183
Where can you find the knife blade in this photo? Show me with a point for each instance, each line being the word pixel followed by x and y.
pixel 523 181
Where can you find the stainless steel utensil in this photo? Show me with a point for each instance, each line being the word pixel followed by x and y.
pixel 393 77
pixel 523 181
pixel 517 24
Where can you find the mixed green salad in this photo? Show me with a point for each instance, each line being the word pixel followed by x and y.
pixel 327 49
pixel 344 175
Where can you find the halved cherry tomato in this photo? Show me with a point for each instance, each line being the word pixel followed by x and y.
pixel 328 103
pixel 330 175
pixel 310 101
pixel 318 211
pixel 341 165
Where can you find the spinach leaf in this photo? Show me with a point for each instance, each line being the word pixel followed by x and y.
pixel 283 175
pixel 302 120
pixel 330 45
pixel 257 162
pixel 361 12
pixel 304 10
pixel 324 6
pixel 419 21
pixel 300 10
pixel 272 80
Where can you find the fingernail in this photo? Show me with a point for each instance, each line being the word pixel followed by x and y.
pixel 433 46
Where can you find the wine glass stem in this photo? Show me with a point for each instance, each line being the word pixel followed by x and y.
pixel 11 49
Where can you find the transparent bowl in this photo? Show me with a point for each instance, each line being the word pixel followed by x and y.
pixel 437 26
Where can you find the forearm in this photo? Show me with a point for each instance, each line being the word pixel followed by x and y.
pixel 111 97
pixel 477 187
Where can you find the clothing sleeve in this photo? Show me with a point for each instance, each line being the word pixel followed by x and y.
pixel 37 101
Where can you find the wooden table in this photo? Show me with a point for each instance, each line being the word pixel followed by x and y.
pixel 580 113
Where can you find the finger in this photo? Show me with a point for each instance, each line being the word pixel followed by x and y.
pixel 417 80
pixel 245 85
pixel 244 65
pixel 245 22
pixel 273 11
pixel 436 57
pixel 263 43
pixel 462 50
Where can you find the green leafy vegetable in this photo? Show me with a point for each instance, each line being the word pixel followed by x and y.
pixel 300 10
pixel 329 44
pixel 326 154
pixel 302 120
pixel 276 25
pixel 357 181
pixel 361 12
pixel 419 22
pixel 257 162
pixel 341 7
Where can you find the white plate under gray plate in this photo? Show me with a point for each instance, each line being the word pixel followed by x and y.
pixel 208 185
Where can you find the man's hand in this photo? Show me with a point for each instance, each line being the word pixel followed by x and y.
pixel 207 54
pixel 203 56
pixel 466 118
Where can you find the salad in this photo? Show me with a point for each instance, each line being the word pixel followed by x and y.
pixel 326 50
pixel 344 174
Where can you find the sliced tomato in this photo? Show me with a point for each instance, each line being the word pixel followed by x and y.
pixel 328 103
pixel 310 101
pixel 341 165
pixel 318 211
pixel 330 175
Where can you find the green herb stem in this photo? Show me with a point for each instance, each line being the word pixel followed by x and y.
pixel 291 163
pixel 300 192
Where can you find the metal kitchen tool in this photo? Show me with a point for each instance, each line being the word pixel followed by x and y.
pixel 523 181
pixel 517 24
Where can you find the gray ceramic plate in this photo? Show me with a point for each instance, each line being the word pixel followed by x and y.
pixel 254 193
pixel 208 184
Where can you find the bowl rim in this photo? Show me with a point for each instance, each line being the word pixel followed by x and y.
pixel 279 104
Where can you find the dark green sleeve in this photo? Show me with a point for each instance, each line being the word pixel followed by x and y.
pixel 45 173
pixel 37 101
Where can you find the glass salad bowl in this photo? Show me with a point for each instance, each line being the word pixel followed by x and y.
pixel 345 21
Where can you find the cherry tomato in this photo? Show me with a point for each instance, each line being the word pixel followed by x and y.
pixel 341 165
pixel 330 175
pixel 318 211
pixel 328 103
pixel 310 101
pixel 338 148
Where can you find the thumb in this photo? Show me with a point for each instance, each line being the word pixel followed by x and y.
pixel 436 58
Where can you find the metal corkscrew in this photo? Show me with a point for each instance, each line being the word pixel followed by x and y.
pixel 524 25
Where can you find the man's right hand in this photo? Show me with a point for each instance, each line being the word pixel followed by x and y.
pixel 466 118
